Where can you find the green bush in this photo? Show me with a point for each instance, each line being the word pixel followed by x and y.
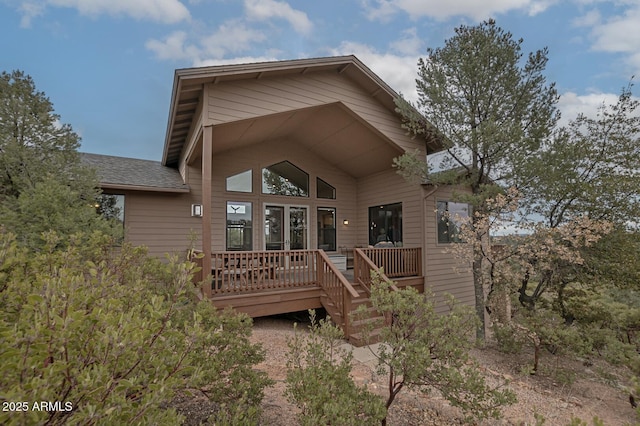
pixel 425 350
pixel 508 341
pixel 318 380
pixel 111 335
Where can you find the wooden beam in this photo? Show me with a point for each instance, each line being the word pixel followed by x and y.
pixel 207 158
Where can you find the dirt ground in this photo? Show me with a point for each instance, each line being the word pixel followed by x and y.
pixel 557 394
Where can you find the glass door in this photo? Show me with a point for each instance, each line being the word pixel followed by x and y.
pixel 274 228
pixel 286 227
pixel 298 228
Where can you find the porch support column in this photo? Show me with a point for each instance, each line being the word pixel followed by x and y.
pixel 207 158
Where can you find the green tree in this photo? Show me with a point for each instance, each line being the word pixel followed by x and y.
pixel 576 284
pixel 43 184
pixel 114 336
pixel 492 109
pixel 590 167
pixel 424 350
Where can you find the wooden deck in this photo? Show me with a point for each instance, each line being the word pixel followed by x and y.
pixel 261 283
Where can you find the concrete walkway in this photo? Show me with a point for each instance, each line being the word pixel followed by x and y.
pixel 364 354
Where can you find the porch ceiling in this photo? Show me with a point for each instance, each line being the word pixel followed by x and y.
pixel 331 132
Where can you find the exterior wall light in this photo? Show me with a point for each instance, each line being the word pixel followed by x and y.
pixel 196 210
pixel 345 222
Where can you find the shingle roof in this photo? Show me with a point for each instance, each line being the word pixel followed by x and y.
pixel 134 174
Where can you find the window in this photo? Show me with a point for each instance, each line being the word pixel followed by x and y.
pixel 239 226
pixel 327 228
pixel 324 190
pixel 285 179
pixel 385 224
pixel 242 182
pixel 450 217
pixel 111 206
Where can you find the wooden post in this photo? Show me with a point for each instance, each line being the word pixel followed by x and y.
pixel 319 268
pixel 346 310
pixel 207 158
pixel 356 267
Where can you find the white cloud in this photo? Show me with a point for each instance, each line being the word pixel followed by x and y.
pixel 230 38
pixel 619 33
pixel 165 11
pixel 29 11
pixel 616 34
pixel 381 11
pixel 398 70
pixel 589 19
pixel 477 10
pixel 173 47
pixel 409 44
pixel 263 10
pixel 233 61
pixel 571 104
pixel 234 37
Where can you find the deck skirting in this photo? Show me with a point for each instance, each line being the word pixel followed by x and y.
pixel 271 302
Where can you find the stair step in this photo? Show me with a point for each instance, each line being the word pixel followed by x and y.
pixel 357 339
pixel 370 319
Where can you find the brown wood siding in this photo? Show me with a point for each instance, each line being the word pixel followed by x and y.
pixel 443 272
pixel 258 156
pixel 159 221
pixel 388 188
pixel 240 100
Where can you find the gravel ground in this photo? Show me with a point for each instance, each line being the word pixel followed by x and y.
pixel 558 394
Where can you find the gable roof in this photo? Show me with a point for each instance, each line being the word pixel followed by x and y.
pixel 134 174
pixel 189 83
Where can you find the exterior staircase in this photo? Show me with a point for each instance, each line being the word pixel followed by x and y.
pixel 360 330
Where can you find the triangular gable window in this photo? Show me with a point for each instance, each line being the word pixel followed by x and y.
pixel 240 182
pixel 325 190
pixel 284 178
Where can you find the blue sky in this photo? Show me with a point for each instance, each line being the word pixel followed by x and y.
pixel 107 65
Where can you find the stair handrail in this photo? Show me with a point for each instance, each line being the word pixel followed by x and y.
pixel 344 297
pixel 345 283
pixel 360 255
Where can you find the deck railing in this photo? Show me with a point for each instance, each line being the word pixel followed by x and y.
pixel 396 261
pixel 362 268
pixel 235 272
pixel 339 291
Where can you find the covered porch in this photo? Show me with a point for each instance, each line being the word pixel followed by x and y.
pixel 269 282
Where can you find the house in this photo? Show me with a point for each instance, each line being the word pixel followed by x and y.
pixel 282 174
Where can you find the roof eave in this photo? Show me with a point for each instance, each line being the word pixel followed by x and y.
pixel 121 187
pixel 211 73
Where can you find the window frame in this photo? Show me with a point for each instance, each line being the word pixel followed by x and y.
pixel 238 176
pixel 243 228
pixel 319 180
pixel 392 225
pixel 450 235
pixel 119 205
pixel 286 182
pixel 333 231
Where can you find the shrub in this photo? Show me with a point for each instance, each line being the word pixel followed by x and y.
pixel 318 380
pixel 111 336
pixel 508 341
pixel 426 350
